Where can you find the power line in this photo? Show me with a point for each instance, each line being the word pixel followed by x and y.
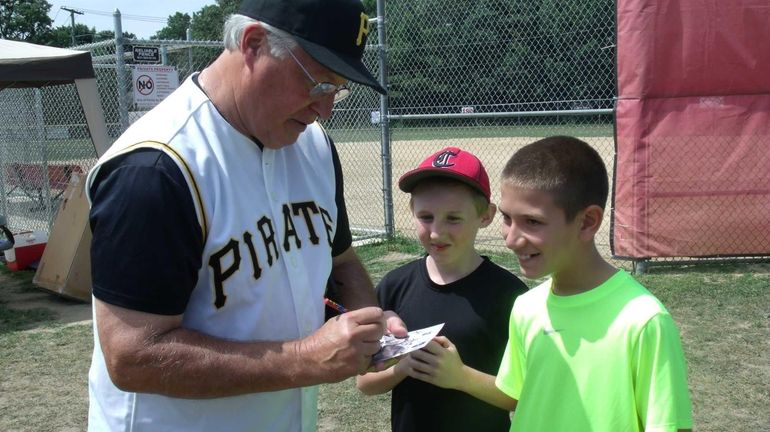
pixel 130 17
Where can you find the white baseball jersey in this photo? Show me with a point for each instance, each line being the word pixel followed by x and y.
pixel 268 218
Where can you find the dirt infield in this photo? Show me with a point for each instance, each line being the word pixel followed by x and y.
pixel 362 168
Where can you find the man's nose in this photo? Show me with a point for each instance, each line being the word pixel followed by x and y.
pixel 323 107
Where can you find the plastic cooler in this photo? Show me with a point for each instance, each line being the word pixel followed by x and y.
pixel 28 249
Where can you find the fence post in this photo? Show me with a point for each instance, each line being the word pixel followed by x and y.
pixel 120 72
pixel 45 188
pixel 189 53
pixel 387 190
pixel 164 55
pixel 3 160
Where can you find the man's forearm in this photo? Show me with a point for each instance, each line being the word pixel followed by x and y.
pixel 219 367
pixel 153 354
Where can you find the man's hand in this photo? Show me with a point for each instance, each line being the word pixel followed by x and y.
pixel 394 324
pixel 397 328
pixel 344 345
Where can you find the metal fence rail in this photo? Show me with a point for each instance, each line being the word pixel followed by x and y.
pixel 489 76
pixel 492 76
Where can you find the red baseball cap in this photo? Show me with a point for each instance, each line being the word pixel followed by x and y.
pixel 450 162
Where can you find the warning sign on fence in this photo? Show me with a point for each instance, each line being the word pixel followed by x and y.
pixel 146 54
pixel 153 83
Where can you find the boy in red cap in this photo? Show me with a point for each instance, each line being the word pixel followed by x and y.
pixel 434 388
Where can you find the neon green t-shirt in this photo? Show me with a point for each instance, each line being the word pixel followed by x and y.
pixel 608 359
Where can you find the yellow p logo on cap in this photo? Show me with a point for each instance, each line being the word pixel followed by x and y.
pixel 363 29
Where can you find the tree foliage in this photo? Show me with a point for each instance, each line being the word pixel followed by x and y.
pixel 207 23
pixel 503 55
pixel 495 55
pixel 25 20
pixel 176 27
pixel 229 7
pixel 61 36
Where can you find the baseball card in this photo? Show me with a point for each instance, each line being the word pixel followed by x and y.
pixel 391 346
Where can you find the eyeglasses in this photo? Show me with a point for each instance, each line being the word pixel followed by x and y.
pixel 323 89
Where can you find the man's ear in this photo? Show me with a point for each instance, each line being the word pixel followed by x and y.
pixel 488 216
pixel 591 220
pixel 253 41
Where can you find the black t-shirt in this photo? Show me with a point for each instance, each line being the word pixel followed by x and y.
pixel 476 311
pixel 147 243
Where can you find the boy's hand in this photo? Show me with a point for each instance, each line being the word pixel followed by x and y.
pixel 438 363
pixel 394 324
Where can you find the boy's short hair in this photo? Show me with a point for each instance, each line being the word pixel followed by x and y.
pixel 451 165
pixel 566 167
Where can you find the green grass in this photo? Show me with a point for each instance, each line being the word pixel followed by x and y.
pixel 722 311
pixel 13 320
pixel 70 149
pixel 401 132
pixel 64 150
pixel 55 150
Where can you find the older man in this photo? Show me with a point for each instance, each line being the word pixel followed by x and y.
pixel 217 219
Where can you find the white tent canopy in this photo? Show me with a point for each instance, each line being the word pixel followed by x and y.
pixel 28 65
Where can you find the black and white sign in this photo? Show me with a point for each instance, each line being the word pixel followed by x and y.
pixel 153 83
pixel 146 54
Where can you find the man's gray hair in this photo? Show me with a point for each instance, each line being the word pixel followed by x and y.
pixel 278 40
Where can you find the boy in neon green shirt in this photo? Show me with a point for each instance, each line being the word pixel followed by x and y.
pixel 590 349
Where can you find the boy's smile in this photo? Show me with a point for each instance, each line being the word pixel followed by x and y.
pixel 447 223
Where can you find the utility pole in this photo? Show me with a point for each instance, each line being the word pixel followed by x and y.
pixel 72 18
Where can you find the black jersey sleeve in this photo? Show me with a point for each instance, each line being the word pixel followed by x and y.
pixel 147 242
pixel 343 238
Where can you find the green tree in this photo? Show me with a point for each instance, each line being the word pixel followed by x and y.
pixel 207 23
pixel 500 55
pixel 25 20
pixel 61 36
pixel 110 34
pixel 229 7
pixel 175 29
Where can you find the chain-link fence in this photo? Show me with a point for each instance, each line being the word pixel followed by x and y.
pixel 488 76
pixel 115 78
pixel 44 141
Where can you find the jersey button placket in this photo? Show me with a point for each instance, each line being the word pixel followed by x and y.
pixel 267 172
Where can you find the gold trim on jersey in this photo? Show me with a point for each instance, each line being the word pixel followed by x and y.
pixel 187 173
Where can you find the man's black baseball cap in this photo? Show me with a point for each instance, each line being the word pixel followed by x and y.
pixel 333 32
